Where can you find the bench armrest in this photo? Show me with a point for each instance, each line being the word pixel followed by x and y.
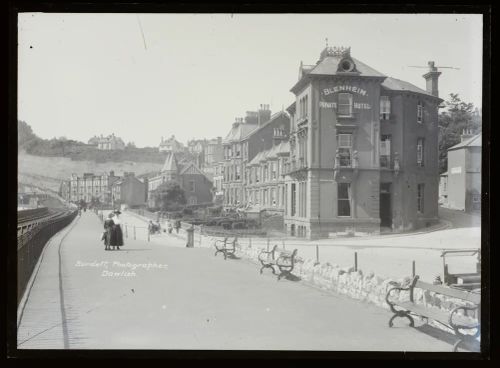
pixel 287 260
pixel 391 305
pixel 265 253
pixel 219 241
pixel 457 327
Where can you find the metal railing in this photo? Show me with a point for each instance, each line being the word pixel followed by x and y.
pixel 31 243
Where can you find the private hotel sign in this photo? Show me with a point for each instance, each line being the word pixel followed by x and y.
pixel 329 97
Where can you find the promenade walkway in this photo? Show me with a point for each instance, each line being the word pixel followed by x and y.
pixel 86 298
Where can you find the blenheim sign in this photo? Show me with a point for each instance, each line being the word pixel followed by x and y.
pixel 345 88
pixel 329 104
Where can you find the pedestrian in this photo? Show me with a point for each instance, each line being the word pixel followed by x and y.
pixel 116 233
pixel 177 226
pixel 170 227
pixel 108 228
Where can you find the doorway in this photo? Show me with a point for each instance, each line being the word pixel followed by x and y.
pixel 385 205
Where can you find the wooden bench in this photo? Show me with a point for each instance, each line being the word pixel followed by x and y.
pixel 267 259
pixel 226 246
pixel 285 262
pixel 449 319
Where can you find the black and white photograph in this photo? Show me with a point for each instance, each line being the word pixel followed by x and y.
pixel 306 182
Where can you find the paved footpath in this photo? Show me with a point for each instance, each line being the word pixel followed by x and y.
pixel 197 302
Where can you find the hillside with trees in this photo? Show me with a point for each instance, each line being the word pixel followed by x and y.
pixel 458 117
pixel 30 143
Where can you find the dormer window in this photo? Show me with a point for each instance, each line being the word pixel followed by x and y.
pixel 346 65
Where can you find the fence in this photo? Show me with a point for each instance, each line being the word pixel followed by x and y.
pixel 385 261
pixel 31 244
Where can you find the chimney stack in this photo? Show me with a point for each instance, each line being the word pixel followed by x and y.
pixel 264 114
pixel 431 79
pixel 466 134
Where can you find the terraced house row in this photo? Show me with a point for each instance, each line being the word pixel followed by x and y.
pixel 357 149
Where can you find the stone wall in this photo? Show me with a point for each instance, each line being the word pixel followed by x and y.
pixel 365 287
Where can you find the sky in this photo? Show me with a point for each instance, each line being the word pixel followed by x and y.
pixel 144 76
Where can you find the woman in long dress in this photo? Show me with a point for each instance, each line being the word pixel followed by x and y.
pixel 108 229
pixel 117 234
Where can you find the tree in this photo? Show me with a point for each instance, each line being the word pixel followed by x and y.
pixel 25 135
pixel 170 196
pixel 458 117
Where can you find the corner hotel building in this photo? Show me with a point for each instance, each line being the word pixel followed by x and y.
pixel 363 149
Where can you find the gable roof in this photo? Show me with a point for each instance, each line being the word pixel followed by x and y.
pixel 475 141
pixel 191 165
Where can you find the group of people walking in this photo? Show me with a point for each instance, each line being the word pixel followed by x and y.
pixel 113 235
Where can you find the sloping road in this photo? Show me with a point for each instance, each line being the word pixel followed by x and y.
pixel 197 302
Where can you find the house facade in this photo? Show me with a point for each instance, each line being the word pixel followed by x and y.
pixel 128 190
pixel 198 188
pixel 111 142
pixel 264 181
pixel 363 149
pixel 206 153
pixel 464 174
pixel 89 186
pixel 257 132
pixel 170 145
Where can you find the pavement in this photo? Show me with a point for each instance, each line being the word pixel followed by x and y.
pixel 387 256
pixel 84 297
pixel 460 219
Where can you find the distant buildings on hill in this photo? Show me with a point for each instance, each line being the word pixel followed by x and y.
pixel 170 145
pixel 111 142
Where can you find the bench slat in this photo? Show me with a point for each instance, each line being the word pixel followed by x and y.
pixel 435 314
pixel 452 292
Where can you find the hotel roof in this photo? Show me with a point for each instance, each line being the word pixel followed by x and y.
pixel 394 84
pixel 328 64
